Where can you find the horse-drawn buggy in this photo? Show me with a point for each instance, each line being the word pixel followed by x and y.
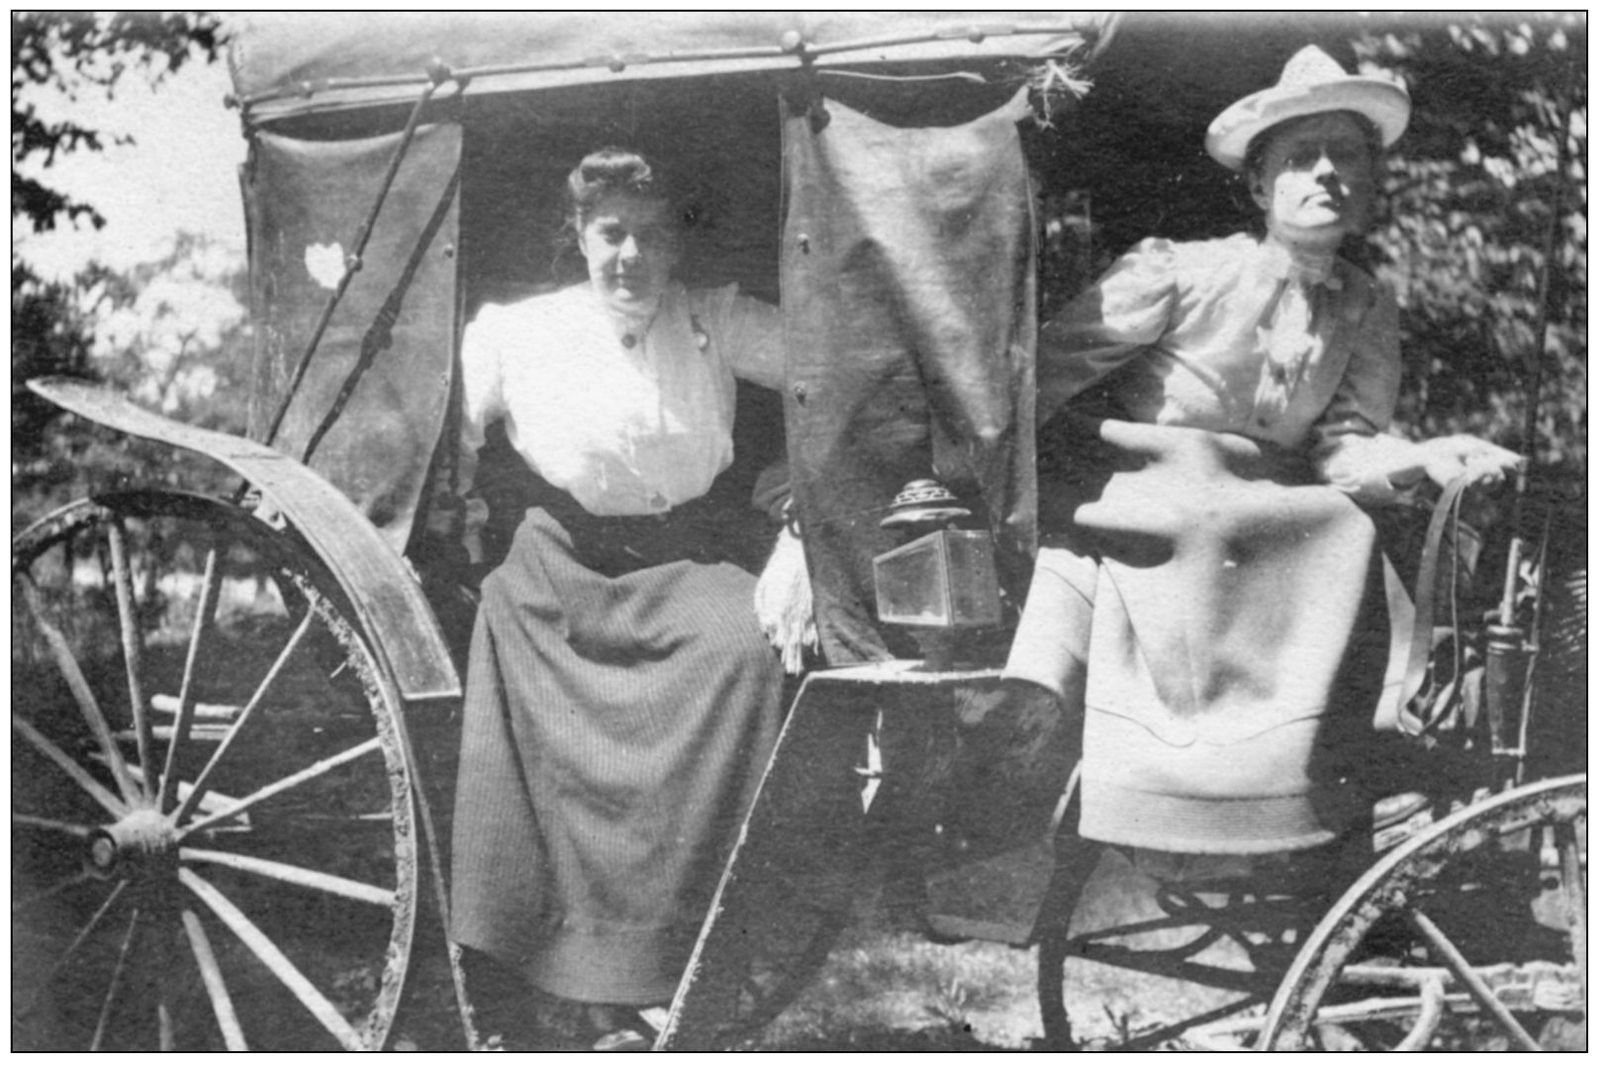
pixel 236 717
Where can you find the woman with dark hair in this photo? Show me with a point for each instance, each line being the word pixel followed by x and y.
pixel 621 701
pixel 1201 582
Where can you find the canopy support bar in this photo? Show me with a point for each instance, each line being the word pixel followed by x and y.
pixel 378 337
pixel 790 43
pixel 438 75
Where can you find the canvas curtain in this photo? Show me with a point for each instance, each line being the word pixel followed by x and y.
pixel 907 266
pixel 305 202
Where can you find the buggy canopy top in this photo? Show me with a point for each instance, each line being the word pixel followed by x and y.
pixel 288 65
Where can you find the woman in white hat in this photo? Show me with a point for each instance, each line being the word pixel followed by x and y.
pixel 1201 580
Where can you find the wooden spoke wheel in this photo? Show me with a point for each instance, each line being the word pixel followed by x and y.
pixel 1470 934
pixel 212 833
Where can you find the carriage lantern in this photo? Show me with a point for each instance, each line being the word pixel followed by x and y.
pixel 943 579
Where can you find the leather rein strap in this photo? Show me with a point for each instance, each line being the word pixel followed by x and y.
pixel 1424 614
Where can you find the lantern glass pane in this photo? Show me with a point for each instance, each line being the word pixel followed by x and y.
pixel 910 583
pixel 974 588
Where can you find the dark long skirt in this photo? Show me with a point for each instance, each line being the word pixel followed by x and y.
pixel 615 727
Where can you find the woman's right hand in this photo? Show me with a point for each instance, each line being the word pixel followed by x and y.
pixel 1446 458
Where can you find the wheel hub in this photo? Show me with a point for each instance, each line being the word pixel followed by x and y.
pixel 143 838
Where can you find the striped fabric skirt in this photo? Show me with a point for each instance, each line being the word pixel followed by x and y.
pixel 616 723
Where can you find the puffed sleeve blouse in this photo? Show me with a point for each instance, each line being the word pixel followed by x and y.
pixel 1234 335
pixel 629 420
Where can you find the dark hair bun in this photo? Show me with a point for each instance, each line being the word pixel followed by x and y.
pixel 614 170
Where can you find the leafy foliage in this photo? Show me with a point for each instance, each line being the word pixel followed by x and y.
pixel 54 322
pixel 172 334
pixel 76 52
pixel 49 335
pixel 1485 237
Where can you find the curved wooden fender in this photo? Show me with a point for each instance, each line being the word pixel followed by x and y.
pixel 383 590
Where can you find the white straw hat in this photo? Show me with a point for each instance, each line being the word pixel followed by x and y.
pixel 1311 83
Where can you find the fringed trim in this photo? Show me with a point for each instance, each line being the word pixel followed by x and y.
pixel 783 602
pixel 1054 86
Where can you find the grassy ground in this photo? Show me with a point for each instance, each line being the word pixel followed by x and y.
pixel 889 986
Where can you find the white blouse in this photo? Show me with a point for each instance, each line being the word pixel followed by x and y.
pixel 1235 335
pixel 628 420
